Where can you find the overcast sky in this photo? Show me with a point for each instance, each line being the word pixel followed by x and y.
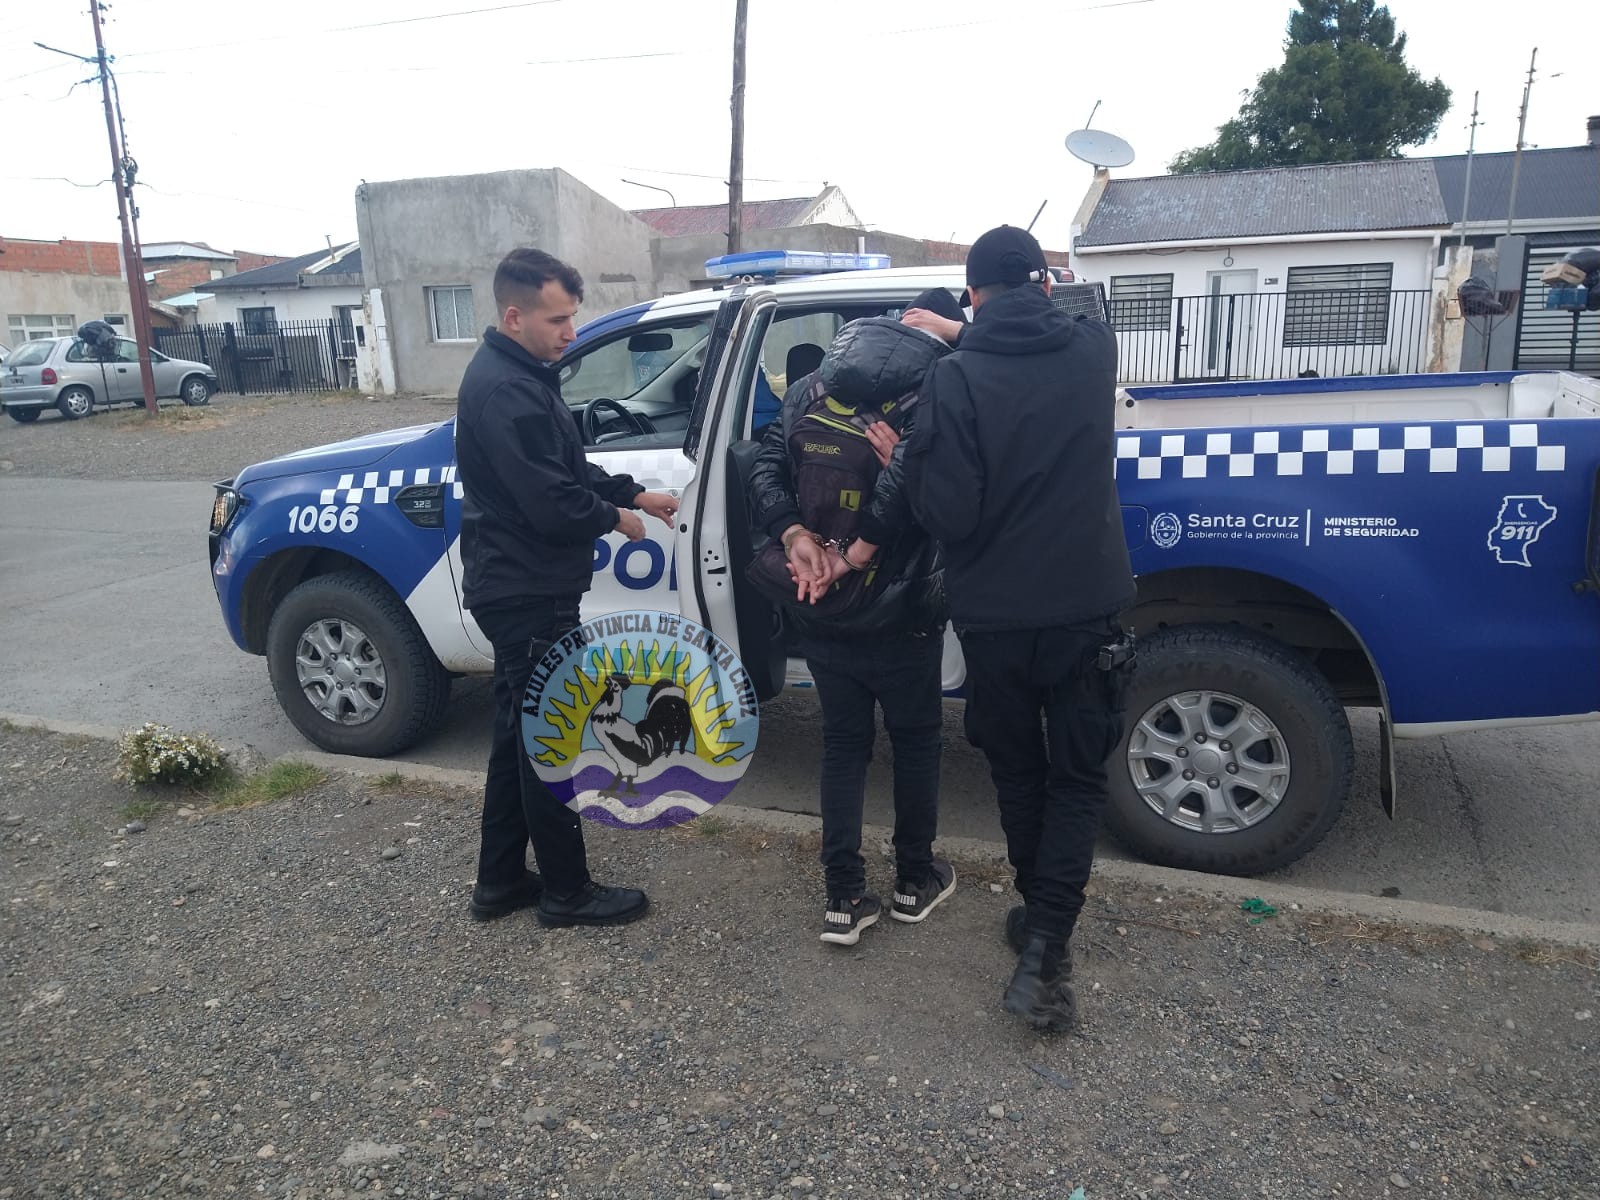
pixel 252 124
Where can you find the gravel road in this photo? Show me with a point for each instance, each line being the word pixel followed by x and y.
pixel 203 444
pixel 257 1001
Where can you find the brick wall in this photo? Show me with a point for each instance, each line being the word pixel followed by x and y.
pixel 185 277
pixel 60 258
pixel 249 261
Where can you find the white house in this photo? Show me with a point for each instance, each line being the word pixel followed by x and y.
pixel 1266 274
pixel 324 285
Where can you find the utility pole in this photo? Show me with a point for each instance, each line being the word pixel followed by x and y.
pixel 1472 144
pixel 122 173
pixel 1522 128
pixel 736 166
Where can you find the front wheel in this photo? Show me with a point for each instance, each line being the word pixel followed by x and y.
pixel 351 668
pixel 1237 757
pixel 195 391
pixel 75 402
pixel 25 415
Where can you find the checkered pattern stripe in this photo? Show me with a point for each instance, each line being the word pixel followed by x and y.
pixel 657 468
pixel 378 485
pixel 1346 450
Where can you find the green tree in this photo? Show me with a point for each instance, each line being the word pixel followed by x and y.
pixel 1343 94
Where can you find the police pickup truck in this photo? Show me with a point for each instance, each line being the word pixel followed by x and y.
pixel 1422 545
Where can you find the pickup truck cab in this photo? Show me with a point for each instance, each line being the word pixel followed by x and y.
pixel 1420 545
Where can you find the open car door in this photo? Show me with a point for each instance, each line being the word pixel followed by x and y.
pixel 714 539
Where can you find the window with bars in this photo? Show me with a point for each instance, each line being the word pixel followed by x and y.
pixel 450 314
pixel 1338 305
pixel 1141 302
pixel 31 327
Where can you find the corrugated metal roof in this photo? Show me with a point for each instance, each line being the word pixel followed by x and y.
pixel 182 250
pixel 1555 184
pixel 1328 198
pixel 693 219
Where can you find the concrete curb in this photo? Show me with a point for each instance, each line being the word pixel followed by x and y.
pixel 1211 887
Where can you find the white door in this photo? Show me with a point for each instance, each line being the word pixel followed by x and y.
pixel 1228 325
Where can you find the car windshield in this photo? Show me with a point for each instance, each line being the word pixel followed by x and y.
pixel 30 355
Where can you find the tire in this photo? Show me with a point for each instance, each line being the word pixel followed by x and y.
pixel 393 689
pixel 1287 771
pixel 26 415
pixel 75 402
pixel 195 391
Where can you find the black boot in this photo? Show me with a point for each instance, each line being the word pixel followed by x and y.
pixel 1015 916
pixel 1040 991
pixel 490 903
pixel 593 904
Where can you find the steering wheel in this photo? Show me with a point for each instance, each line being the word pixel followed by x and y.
pixel 591 422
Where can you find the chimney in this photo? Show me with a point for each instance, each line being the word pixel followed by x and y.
pixel 1594 131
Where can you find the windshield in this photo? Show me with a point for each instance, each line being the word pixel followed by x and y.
pixel 31 354
pixel 626 366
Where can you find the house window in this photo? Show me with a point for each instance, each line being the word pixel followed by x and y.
pixel 1338 305
pixel 450 314
pixel 1141 302
pixel 259 320
pixel 29 327
pixel 116 319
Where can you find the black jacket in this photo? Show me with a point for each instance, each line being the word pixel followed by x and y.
pixel 870 362
pixel 1012 468
pixel 532 504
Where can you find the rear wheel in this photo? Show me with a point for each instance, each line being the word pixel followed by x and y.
pixel 25 415
pixel 1237 757
pixel 75 402
pixel 351 668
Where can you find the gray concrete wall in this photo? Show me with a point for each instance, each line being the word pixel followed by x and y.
pixel 82 297
pixel 422 233
pixel 681 261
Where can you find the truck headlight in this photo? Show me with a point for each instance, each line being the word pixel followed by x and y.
pixel 223 507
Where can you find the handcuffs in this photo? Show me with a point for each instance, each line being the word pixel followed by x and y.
pixel 842 545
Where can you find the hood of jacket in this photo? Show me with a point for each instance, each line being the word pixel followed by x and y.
pixel 1022 321
pixel 877 359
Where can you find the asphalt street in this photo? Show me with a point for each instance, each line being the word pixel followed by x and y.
pixel 107 616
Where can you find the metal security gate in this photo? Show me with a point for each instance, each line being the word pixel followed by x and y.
pixel 1553 339
pixel 285 356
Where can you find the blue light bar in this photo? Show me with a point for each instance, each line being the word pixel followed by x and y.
pixel 791 262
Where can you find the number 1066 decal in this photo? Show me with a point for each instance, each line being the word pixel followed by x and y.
pixel 311 519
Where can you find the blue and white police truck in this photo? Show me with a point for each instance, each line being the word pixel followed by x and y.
pixel 1422 545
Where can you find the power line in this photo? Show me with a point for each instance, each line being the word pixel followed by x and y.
pixel 283 37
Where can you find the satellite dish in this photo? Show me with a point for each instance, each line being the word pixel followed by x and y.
pixel 1099 147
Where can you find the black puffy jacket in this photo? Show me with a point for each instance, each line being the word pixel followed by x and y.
pixel 870 362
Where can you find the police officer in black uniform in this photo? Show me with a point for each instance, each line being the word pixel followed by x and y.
pixel 1011 468
pixel 532 508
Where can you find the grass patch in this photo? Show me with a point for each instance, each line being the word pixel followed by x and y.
pixel 278 782
pixel 9 727
pixel 388 783
pixel 142 810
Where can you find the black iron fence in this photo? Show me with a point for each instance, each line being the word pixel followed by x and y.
pixel 290 356
pixel 1272 335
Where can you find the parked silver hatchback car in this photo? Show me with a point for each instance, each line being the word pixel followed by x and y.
pixel 62 373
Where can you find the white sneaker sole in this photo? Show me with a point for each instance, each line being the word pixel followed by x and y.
pixel 854 935
pixel 918 918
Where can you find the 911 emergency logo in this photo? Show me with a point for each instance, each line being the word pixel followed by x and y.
pixel 1522 519
pixel 640 720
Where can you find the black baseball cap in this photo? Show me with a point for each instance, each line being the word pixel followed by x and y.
pixel 1006 255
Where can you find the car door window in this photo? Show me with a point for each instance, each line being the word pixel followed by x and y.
pixel 127 351
pixel 636 389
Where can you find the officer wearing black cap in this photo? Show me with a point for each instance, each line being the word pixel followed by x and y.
pixel 1011 469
